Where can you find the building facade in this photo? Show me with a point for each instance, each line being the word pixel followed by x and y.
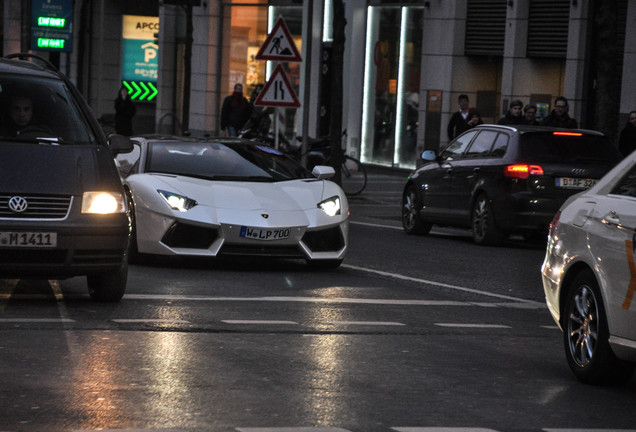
pixel 405 63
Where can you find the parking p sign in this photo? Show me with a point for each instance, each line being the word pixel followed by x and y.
pixel 140 62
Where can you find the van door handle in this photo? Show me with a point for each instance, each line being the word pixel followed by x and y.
pixel 476 170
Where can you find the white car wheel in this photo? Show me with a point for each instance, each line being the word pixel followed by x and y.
pixel 586 335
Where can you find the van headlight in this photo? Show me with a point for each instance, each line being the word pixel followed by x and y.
pixel 96 202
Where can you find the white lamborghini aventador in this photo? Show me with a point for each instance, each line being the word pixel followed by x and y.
pixel 216 197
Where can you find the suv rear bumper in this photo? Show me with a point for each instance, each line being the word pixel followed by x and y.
pixel 526 212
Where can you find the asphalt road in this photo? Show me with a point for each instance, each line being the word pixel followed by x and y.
pixel 411 334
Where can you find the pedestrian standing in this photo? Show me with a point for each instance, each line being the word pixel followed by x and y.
pixel 514 115
pixel 474 118
pixel 457 122
pixel 124 112
pixel 559 116
pixel 530 113
pixel 235 111
pixel 627 140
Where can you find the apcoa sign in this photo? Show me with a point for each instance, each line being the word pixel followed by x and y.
pixel 140 60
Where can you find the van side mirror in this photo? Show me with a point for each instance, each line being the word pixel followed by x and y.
pixel 119 144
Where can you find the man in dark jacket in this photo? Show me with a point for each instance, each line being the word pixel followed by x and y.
pixel 235 111
pixel 457 122
pixel 559 116
pixel 514 115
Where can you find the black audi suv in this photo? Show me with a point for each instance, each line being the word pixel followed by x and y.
pixel 502 180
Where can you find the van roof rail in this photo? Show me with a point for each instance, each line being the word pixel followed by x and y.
pixel 29 57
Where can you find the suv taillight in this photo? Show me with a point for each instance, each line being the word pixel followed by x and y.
pixel 522 171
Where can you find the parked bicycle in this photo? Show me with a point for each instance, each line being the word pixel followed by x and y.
pixel 353 173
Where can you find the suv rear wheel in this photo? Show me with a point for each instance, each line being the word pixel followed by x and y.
pixel 411 220
pixel 485 231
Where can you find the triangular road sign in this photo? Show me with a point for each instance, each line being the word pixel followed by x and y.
pixel 278 91
pixel 279 45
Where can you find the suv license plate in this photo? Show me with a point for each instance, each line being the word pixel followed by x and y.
pixel 28 239
pixel 575 183
pixel 265 233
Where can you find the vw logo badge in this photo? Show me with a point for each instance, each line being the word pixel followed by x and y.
pixel 18 204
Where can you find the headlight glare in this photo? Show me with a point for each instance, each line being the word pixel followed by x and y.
pixel 96 202
pixel 331 206
pixel 176 201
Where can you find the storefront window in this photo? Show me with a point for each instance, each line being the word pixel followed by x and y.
pixel 391 96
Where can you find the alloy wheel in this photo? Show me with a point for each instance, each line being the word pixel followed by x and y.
pixel 582 326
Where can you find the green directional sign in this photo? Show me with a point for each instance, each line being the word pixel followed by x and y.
pixel 141 91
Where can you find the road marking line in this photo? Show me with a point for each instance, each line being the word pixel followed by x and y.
pixel 36 320
pixel 292 429
pixel 390 302
pixel 441 429
pixel 368 323
pixel 460 325
pixel 439 284
pixel 588 430
pixel 399 228
pixel 158 321
pixel 258 322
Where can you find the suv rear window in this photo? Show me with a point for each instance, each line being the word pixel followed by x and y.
pixel 548 147
pixel 40 109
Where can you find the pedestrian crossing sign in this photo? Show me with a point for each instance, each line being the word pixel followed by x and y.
pixel 278 91
pixel 279 45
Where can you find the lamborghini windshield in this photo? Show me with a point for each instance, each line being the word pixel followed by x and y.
pixel 234 161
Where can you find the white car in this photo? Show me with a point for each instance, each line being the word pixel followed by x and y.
pixel 589 276
pixel 227 196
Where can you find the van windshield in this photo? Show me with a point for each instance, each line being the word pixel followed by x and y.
pixel 40 110
pixel 548 147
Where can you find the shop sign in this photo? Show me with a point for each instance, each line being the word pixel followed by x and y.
pixel 52 25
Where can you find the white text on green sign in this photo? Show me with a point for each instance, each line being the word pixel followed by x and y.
pixel 51 22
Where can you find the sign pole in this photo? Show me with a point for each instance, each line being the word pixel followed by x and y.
pixel 277 128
